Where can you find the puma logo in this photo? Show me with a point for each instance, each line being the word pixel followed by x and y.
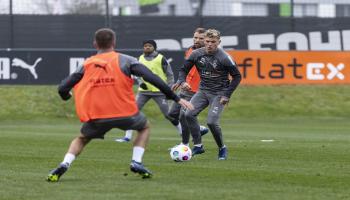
pixel 16 62
pixel 101 66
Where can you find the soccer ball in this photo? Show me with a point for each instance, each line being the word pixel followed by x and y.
pixel 180 153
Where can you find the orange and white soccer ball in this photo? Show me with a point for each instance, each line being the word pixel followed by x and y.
pixel 180 153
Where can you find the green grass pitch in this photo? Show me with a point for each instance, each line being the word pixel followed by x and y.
pixel 308 159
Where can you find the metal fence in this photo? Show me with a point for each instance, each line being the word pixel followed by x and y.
pixel 260 8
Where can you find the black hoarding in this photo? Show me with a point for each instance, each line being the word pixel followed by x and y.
pixel 50 67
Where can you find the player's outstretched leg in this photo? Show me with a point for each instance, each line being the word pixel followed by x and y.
pixel 75 148
pixel 140 142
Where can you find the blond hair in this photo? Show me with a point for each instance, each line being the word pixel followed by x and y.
pixel 212 33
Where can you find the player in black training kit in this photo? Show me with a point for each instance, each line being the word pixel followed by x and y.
pixel 214 66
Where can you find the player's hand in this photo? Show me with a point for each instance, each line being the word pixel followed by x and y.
pixel 186 104
pixel 185 86
pixel 175 86
pixel 143 86
pixel 65 96
pixel 224 100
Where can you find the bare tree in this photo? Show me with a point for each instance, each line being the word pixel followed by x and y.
pixel 89 7
pixel 47 5
pixel 5 7
pixel 92 7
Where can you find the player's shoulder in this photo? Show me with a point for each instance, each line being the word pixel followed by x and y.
pixel 224 57
pixel 160 55
pixel 127 57
pixel 221 54
pixel 198 52
pixel 93 59
pixel 190 49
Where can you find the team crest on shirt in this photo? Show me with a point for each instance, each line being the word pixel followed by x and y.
pixel 215 64
pixel 202 61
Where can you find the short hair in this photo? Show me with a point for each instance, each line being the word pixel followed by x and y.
pixel 105 38
pixel 212 33
pixel 199 30
pixel 152 42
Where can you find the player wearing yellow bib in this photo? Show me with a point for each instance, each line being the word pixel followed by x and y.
pixel 159 65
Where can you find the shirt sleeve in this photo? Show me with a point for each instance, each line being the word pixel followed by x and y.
pixel 168 71
pixel 235 74
pixel 125 61
pixel 68 83
pixel 187 66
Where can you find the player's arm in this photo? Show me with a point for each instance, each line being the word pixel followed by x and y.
pixel 187 66
pixel 189 63
pixel 68 83
pixel 139 69
pixel 139 82
pixel 235 74
pixel 168 71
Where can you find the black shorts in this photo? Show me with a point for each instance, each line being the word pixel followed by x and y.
pixel 99 127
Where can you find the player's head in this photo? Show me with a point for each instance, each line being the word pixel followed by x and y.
pixel 211 40
pixel 104 39
pixel 149 46
pixel 198 38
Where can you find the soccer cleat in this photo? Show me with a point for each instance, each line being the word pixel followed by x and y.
pixel 203 130
pixel 197 150
pixel 55 174
pixel 124 139
pixel 222 153
pixel 137 167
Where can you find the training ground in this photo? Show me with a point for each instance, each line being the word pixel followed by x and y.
pixel 287 142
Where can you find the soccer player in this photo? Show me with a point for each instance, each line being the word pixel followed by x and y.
pixel 159 65
pixel 104 99
pixel 192 79
pixel 214 66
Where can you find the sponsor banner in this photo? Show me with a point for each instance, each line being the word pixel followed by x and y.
pixel 293 67
pixel 37 67
pixel 50 67
pixel 257 67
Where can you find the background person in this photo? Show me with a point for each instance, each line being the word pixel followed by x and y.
pixel 192 79
pixel 159 65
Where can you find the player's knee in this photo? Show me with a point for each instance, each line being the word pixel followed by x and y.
pixel 147 126
pixel 83 138
pixel 171 115
pixel 188 115
pixel 145 129
pixel 173 120
pixel 212 123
